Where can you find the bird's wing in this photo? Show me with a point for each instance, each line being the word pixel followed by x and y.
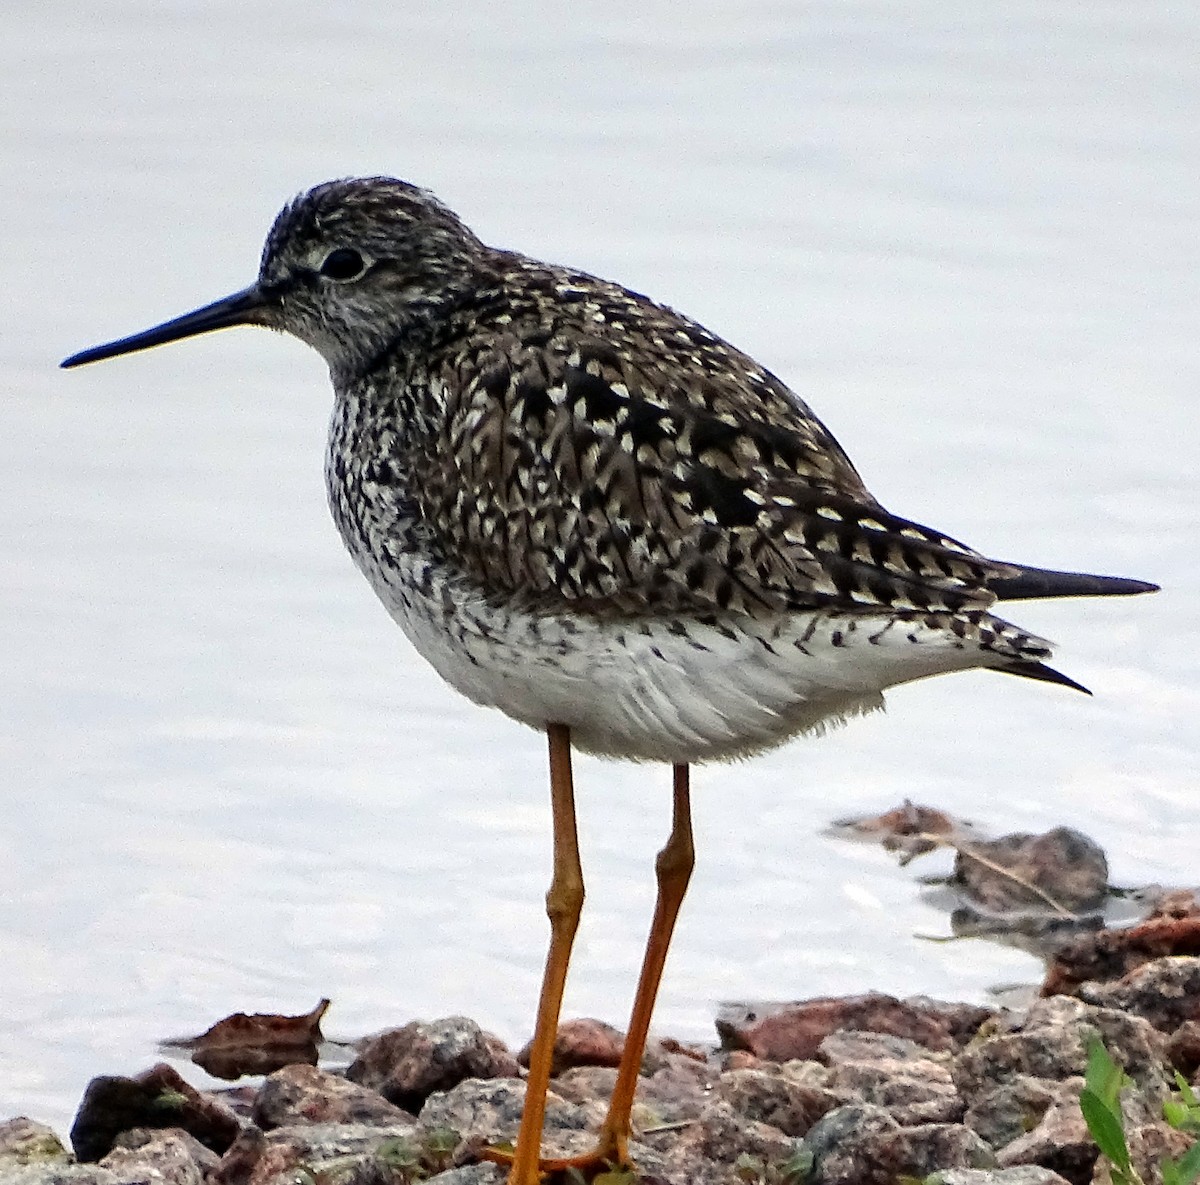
pixel 674 474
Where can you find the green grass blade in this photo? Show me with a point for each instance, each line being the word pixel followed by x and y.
pixel 1187 1168
pixel 1105 1124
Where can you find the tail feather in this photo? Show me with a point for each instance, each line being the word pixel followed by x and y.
pixel 1034 583
pixel 1041 672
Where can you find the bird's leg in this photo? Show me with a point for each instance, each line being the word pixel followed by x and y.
pixel 564 901
pixel 673 868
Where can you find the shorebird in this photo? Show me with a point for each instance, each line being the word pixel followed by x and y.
pixel 590 512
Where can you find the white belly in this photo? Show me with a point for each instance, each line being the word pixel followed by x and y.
pixel 666 690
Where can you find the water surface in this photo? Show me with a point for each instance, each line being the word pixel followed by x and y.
pixel 968 237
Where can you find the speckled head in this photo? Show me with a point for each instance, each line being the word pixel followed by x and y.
pixel 350 267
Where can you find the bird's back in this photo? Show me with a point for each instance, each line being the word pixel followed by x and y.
pixel 588 447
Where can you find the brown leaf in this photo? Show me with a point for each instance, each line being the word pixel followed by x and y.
pixel 257 1043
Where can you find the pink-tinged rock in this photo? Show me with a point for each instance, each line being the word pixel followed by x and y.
pixel 782 1032
pixel 1107 955
pixel 582 1042
pixel 740 1059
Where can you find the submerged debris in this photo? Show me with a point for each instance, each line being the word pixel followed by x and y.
pixel 255 1043
pixel 909 829
pixel 1061 870
pixel 1047 894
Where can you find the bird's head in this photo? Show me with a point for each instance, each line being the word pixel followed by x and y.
pixel 350 267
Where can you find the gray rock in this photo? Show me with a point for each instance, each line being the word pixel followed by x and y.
pixel 22 1142
pixel 490 1111
pixel 408 1064
pixel 858 1144
pixel 348 1153
pixel 1061 1142
pixel 1183 1048
pixel 473 1174
pixel 1152 1143
pixel 858 1047
pixel 914 1085
pixel 773 1099
pixel 1166 992
pixel 163 1157
pixel 1014 1108
pixel 862 1144
pixel 1051 1042
pixel 1026 1174
pixel 586 1084
pixel 65 1174
pixel 933 1146
pixel 806 1073
pixel 304 1094
pixel 169 1157
pixel 677 1090
pixel 704 1153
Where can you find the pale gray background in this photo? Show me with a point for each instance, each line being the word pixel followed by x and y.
pixel 968 234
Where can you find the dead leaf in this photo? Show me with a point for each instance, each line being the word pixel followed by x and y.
pixel 256 1043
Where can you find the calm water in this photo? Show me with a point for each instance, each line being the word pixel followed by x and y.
pixel 969 237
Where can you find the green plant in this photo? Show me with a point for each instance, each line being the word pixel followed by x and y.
pixel 1182 1112
pixel 611 1176
pixel 1100 1102
pixel 1182 1109
pixel 794 1170
pixel 412 1159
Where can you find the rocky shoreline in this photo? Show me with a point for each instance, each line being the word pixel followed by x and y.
pixel 865 1090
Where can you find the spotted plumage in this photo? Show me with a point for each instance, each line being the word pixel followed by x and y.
pixel 593 514
pixel 585 508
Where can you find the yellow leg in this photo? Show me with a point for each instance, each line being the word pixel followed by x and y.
pixel 674 869
pixel 564 902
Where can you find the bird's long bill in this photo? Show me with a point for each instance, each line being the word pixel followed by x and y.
pixel 242 308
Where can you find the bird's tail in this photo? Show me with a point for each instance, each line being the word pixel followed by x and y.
pixel 1043 673
pixel 1030 584
pixel 1027 584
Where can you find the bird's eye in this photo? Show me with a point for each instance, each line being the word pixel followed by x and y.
pixel 343 263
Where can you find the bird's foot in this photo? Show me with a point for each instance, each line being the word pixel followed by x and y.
pixel 609 1163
